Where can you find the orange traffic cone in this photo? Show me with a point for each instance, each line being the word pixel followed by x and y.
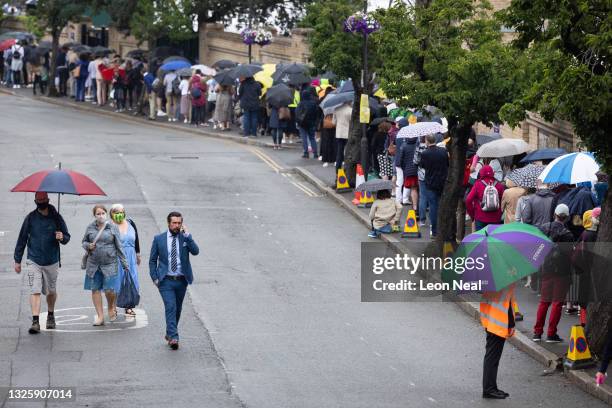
pixel 360 178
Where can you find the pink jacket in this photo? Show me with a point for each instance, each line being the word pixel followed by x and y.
pixel 472 202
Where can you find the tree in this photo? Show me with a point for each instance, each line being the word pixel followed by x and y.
pixel 568 44
pixel 54 15
pixel 449 54
pixel 154 19
pixel 335 50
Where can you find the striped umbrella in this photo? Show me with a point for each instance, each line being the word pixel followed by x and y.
pixel 571 168
pixel 500 254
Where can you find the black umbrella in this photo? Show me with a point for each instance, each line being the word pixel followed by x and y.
pixel 102 51
pixel 347 86
pixel 69 44
pixel 484 139
pixel 295 68
pixel 224 64
pixel 543 154
pixel 295 79
pixel 18 35
pixel 81 49
pixel 246 70
pixel 279 95
pixel 225 78
pixel 136 53
pixel 44 44
pixel 36 54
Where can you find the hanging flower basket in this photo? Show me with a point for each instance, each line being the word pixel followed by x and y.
pixel 361 23
pixel 256 36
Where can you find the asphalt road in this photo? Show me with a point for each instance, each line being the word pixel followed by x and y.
pixel 274 318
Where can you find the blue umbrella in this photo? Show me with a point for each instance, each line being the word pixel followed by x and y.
pixel 571 168
pixel 175 65
pixel 543 154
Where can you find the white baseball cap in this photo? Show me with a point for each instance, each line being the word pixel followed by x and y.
pixel 562 209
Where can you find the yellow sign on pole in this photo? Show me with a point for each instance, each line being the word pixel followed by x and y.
pixel 364 109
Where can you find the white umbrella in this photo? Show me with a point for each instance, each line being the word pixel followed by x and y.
pixel 571 168
pixel 420 129
pixel 503 148
pixel 206 70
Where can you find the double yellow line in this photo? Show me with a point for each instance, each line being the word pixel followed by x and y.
pixel 278 169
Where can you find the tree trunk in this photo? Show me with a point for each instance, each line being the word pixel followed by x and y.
pixel 353 145
pixel 53 63
pixel 447 209
pixel 599 316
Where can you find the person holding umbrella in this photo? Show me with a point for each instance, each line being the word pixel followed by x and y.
pixel 249 93
pixel 385 212
pixel 41 232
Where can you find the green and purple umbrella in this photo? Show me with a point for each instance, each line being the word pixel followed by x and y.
pixel 501 255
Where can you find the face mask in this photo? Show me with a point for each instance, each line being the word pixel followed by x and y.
pixel 42 206
pixel 119 217
pixel 101 218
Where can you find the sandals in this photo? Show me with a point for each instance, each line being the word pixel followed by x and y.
pixel 130 312
pixel 112 317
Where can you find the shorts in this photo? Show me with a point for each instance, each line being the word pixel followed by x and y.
pixel 101 282
pixel 42 279
pixel 411 181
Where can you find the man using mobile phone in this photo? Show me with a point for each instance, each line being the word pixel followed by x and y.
pixel 170 270
pixel 41 232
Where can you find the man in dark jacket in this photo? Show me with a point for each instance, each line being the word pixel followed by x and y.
pixel 409 170
pixel 434 160
pixel 62 70
pixel 307 116
pixel 249 93
pixel 538 209
pixel 555 275
pixel 42 232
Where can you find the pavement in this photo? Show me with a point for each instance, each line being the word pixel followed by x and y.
pixel 274 318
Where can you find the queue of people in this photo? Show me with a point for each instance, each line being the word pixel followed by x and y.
pixel 112 251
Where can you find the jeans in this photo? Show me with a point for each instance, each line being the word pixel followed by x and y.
pixel 62 73
pixel 172 293
pixel 431 198
pixel 277 136
pixel 383 230
pixel 249 122
pixel 197 114
pixel 80 89
pixel 340 145
pixel 307 134
pixel 422 202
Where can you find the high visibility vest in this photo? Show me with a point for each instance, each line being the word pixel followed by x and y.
pixel 296 100
pixel 494 312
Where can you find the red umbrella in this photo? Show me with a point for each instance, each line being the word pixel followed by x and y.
pixel 6 44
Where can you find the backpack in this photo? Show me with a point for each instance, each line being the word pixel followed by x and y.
pixel 490 198
pixel 304 115
pixel 196 93
pixel 176 90
pixel 16 55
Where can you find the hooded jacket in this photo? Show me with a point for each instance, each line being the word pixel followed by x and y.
pixel 406 157
pixel 538 209
pixel 249 93
pixel 307 107
pixel 474 198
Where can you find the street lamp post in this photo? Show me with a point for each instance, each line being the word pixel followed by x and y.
pixel 250 28
pixel 365 90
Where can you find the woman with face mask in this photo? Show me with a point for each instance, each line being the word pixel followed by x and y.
pixel 131 247
pixel 102 241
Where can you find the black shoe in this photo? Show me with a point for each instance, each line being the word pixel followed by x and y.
pixel 571 311
pixel 174 344
pixel 305 155
pixel 537 337
pixel 554 339
pixel 494 395
pixel 35 328
pixel 518 317
pixel 503 392
pixel 50 322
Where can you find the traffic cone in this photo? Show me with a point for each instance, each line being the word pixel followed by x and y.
pixel 411 228
pixel 360 178
pixel 518 316
pixel 342 184
pixel 578 353
pixel 366 200
pixel 448 249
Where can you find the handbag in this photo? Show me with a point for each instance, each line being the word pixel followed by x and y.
pixel 128 297
pixel 328 122
pixel 77 71
pixel 84 259
pixel 284 113
pixel 392 149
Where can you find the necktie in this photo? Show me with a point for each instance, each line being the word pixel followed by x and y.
pixel 174 262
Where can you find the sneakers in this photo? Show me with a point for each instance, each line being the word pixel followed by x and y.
pixel 161 113
pixel 537 337
pixel 35 328
pixel 325 164
pixel 373 234
pixel 554 339
pixel 169 119
pixel 320 157
pixel 50 322
pixel 185 121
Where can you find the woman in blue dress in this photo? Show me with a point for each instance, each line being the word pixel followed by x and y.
pixel 131 247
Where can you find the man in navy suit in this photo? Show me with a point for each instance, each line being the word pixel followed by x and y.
pixel 170 270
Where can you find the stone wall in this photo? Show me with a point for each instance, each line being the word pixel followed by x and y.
pixel 217 44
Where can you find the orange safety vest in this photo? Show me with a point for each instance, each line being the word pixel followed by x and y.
pixel 494 312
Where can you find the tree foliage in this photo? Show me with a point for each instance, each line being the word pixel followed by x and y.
pixel 568 45
pixel 449 54
pixel 154 19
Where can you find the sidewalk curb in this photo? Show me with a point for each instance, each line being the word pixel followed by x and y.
pixel 142 120
pixel 550 360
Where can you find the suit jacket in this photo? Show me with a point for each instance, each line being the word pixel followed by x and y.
pixel 159 260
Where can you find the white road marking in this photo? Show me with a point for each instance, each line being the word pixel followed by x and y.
pixel 412 384
pixel 393 368
pixel 269 233
pixel 85 318
pixel 364 340
pixel 249 209
pixel 377 354
pixel 256 217
pixel 431 399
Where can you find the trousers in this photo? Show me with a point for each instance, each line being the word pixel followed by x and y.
pixel 493 352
